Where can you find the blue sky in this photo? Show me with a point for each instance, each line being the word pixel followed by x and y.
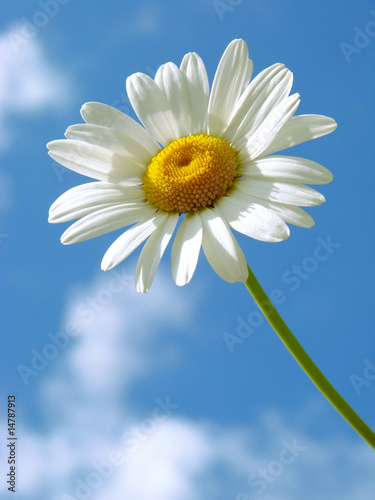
pixel 148 384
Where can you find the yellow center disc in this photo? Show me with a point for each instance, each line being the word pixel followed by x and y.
pixel 190 173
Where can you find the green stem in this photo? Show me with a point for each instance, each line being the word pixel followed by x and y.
pixel 305 361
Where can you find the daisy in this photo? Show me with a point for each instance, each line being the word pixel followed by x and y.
pixel 204 158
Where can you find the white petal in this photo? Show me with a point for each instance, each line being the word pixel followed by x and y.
pixel 105 220
pixel 198 90
pixel 232 76
pixel 86 198
pixel 257 141
pixel 173 84
pixel 100 114
pixel 186 248
pixel 152 108
pixel 96 162
pixel 300 129
pixel 281 192
pixel 263 94
pixel 114 141
pixel 129 241
pixel 252 219
pixel 221 248
pixel 287 169
pixel 289 213
pixel 152 252
pixel 241 202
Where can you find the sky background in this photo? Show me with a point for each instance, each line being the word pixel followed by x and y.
pixel 121 395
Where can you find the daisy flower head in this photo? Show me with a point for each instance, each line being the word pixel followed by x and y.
pixel 206 157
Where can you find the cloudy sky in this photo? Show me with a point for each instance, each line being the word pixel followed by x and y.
pixel 183 393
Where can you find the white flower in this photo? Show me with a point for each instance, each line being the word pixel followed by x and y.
pixel 204 155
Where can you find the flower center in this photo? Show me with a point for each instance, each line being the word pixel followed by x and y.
pixel 190 173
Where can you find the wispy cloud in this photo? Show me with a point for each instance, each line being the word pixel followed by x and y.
pixel 147 21
pixel 144 21
pixel 29 83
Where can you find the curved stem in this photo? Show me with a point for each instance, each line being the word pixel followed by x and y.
pixel 305 361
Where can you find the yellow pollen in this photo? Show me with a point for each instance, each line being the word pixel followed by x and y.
pixel 190 173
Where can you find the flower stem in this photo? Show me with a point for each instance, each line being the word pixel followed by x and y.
pixel 305 361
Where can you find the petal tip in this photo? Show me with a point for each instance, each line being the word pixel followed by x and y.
pixel 140 287
pixel 64 240
pixel 106 265
pixel 50 145
pixel 181 280
pixel 284 235
pixel 311 224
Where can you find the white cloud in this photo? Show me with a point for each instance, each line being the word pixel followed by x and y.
pixel 117 345
pixel 147 20
pixel 173 455
pixel 97 444
pixel 116 324
pixel 29 83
